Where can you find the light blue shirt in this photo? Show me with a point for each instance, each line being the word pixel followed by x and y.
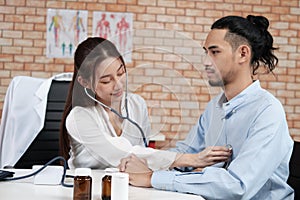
pixel 254 124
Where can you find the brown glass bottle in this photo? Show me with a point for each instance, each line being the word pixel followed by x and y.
pixel 82 184
pixel 106 188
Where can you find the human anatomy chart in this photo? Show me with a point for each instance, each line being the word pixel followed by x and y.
pixel 65 29
pixel 117 27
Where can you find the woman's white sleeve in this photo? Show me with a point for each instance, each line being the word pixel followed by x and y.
pixel 83 128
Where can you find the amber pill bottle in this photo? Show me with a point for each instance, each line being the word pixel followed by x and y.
pixel 106 187
pixel 82 184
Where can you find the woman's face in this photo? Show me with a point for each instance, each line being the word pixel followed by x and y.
pixel 109 81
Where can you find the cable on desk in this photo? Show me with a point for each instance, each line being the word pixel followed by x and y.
pixel 43 167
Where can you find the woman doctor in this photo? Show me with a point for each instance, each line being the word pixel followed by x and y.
pixel 93 135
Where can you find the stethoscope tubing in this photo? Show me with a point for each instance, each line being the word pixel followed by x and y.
pixel 120 115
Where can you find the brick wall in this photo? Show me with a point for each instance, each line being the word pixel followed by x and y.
pixel 166 66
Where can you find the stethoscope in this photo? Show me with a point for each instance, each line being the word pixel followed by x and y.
pixel 120 115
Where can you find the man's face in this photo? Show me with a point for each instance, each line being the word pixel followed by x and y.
pixel 219 60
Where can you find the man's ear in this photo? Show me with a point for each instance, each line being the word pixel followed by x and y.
pixel 83 82
pixel 244 52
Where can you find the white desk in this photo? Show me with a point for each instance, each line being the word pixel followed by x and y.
pixel 25 189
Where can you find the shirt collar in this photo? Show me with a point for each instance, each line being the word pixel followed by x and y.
pixel 239 99
pixel 251 89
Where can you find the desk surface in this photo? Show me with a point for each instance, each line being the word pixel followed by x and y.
pixel 25 189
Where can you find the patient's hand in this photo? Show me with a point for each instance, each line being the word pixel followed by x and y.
pixel 209 156
pixel 139 173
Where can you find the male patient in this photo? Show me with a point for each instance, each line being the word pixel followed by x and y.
pixel 244 115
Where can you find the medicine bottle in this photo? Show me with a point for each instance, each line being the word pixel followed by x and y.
pixel 106 187
pixel 119 186
pixel 106 183
pixel 82 184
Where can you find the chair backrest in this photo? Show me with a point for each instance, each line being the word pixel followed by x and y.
pixel 294 177
pixel 46 145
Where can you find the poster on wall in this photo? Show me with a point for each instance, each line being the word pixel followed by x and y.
pixel 65 29
pixel 116 27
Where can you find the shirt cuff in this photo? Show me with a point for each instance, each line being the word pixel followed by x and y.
pixel 163 180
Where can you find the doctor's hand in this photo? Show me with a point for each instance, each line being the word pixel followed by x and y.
pixel 139 173
pixel 209 156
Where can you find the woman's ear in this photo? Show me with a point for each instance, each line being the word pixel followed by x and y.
pixel 83 82
pixel 244 52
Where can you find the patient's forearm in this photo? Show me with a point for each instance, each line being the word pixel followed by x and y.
pixel 207 157
pixel 183 160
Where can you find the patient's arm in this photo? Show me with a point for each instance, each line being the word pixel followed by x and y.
pixel 209 156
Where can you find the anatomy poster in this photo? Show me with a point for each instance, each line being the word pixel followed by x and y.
pixel 116 27
pixel 65 29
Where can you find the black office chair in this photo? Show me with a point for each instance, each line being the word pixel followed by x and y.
pixel 294 177
pixel 46 145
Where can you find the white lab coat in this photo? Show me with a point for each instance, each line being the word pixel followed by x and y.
pixel 23 115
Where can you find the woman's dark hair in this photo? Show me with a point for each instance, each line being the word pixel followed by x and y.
pixel 88 55
pixel 253 31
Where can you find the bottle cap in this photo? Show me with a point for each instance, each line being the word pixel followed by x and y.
pixel 83 172
pixel 111 170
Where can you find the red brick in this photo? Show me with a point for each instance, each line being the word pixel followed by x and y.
pixel 155 25
pixel 32 34
pixel 41 74
pixel 252 2
pixel 14 66
pixel 116 8
pixel 56 4
pixel 136 9
pixel 25 11
pixel 23 59
pixel 224 7
pixel 262 9
pixel 7 9
pixel 213 13
pixel 34 67
pixel 147 3
pixel 15 3
pixel 205 5
pixel 35 3
pixel 76 5
pixel 24 26
pixel 165 18
pixel 175 11
pixel 54 68
pixel 14 18
pixel 11 50
pixel 166 3
pixel 185 4
pixel 146 17
pixel 127 2
pixel 271 2
pixel 6 41
pixel 96 6
pixel 34 19
pixel 6 25
pixel 32 51
pixel 155 10
pixel 6 58
pixel 20 73
pixel 289 3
